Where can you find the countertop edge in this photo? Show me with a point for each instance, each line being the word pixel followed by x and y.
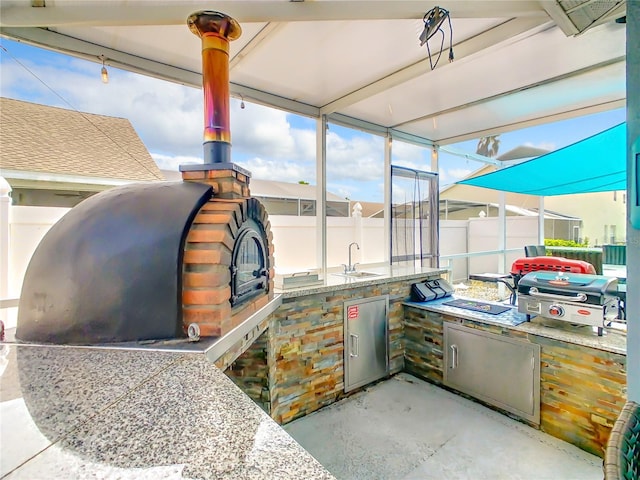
pixel 534 327
pixel 336 283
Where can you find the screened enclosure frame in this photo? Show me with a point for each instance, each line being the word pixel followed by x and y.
pixel 414 222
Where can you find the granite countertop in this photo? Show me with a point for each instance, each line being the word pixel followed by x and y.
pixel 614 339
pixel 334 279
pixel 80 412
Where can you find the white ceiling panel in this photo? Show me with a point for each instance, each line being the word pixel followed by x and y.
pixel 515 60
pixel 323 61
pixel 542 104
pixel 502 70
pixel 171 44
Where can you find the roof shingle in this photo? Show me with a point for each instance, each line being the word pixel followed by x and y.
pixel 39 138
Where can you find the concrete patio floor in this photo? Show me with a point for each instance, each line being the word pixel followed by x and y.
pixel 405 428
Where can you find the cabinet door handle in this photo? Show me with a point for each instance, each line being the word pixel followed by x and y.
pixel 353 347
pixel 454 356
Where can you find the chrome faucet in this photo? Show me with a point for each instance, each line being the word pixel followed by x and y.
pixel 351 268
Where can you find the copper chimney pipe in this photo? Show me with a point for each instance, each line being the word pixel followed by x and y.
pixel 216 30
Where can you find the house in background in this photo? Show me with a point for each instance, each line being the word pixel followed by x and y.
pixel 283 198
pixel 57 157
pixel 599 217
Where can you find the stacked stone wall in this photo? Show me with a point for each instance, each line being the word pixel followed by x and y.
pixel 250 372
pixel 307 347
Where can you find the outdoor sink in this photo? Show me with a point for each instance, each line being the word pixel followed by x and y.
pixel 358 274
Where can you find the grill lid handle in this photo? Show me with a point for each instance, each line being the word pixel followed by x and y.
pixel 579 297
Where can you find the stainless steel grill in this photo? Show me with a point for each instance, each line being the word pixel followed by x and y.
pixel 576 298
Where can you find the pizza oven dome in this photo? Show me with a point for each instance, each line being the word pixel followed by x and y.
pixel 145 262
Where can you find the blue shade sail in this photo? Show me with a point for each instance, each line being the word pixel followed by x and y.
pixel 595 164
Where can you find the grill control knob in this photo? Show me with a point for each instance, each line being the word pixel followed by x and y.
pixel 556 311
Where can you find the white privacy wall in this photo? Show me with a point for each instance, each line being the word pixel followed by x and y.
pixel 295 242
pixel 454 240
pixel 26 227
pixel 483 236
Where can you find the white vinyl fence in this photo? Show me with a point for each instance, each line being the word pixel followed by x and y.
pixel 295 242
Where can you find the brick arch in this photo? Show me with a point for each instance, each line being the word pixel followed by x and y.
pixel 206 278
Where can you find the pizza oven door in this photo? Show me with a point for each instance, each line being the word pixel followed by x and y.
pixel 366 342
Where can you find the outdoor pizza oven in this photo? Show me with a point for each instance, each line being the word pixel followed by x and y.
pixel 162 260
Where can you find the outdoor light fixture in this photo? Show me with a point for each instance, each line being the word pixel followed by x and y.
pixel 103 73
pixel 241 102
pixel 433 21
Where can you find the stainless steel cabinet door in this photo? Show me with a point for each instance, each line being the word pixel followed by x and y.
pixel 365 341
pixel 499 370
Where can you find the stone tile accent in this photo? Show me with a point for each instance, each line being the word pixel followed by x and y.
pixel 423 355
pixel 582 389
pixel 250 372
pixel 306 347
pixel 582 393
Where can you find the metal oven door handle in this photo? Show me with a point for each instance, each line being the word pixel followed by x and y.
pixel 579 297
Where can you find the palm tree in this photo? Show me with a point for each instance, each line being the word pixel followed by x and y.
pixel 488 146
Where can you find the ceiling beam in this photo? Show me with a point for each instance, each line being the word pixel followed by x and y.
pixel 271 100
pixel 57 42
pixel 561 19
pixel 470 156
pixel 257 39
pixel 175 12
pixel 511 31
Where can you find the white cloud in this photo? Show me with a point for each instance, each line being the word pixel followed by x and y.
pixel 169 120
pixel 411 156
pixel 452 175
pixel 459 173
pixel 284 171
pixel 402 195
pixel 169 162
pixel 261 131
pixel 359 158
pixel 341 191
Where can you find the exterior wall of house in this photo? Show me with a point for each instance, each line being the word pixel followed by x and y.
pixel 595 209
pixel 600 212
pixel 484 195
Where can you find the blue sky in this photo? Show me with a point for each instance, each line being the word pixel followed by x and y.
pixel 272 144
